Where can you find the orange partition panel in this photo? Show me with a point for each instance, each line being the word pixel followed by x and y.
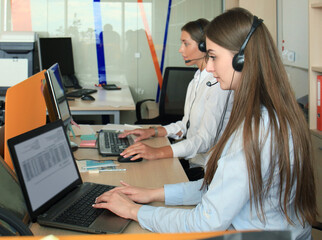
pixel 25 109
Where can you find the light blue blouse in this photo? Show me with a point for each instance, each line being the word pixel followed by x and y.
pixel 226 203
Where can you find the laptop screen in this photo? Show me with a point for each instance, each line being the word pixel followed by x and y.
pixel 47 165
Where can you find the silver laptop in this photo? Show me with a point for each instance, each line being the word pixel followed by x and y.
pixel 52 185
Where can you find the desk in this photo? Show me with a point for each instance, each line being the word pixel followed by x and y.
pixel 155 236
pixel 154 173
pixel 107 102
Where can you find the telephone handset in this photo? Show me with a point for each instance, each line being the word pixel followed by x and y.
pixel 71 81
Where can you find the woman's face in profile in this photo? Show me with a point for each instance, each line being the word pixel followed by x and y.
pixel 189 49
pixel 220 65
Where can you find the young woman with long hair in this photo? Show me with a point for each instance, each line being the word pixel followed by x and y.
pixel 204 104
pixel 260 174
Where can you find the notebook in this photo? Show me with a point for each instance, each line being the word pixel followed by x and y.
pixel 51 183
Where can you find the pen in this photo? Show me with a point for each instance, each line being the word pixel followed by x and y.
pixel 106 170
pixel 112 170
pixel 102 166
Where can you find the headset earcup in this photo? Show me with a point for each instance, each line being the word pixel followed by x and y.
pixel 202 46
pixel 238 62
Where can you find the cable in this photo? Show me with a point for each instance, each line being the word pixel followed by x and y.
pixel 221 122
pixel 188 122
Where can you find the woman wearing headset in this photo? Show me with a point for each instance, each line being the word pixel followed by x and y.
pixel 260 174
pixel 204 104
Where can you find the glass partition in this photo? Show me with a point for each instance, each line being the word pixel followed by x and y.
pixel 122 40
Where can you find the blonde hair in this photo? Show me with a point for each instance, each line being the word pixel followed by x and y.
pixel 264 82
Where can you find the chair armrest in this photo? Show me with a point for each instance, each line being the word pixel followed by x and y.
pixel 13 223
pixel 152 109
pixel 138 108
pixel 317 225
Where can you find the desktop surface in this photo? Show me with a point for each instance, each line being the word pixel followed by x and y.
pixel 153 173
pixel 105 100
pixel 106 103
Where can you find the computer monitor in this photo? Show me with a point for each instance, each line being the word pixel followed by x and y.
pixel 59 50
pixel 56 101
pixel 55 98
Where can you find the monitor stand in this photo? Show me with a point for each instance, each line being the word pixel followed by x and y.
pixel 73 145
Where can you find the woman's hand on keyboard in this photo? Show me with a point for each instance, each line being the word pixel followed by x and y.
pixel 121 200
pixel 141 195
pixel 118 203
pixel 140 134
pixel 141 150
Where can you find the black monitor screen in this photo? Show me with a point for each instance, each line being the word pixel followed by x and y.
pixel 57 50
pixel 54 93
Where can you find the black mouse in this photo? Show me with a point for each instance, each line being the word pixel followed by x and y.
pixel 127 159
pixel 88 98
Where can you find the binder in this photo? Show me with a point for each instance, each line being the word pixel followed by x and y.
pixel 319 107
pixel 25 109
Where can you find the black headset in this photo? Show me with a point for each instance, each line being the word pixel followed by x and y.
pixel 201 44
pixel 238 60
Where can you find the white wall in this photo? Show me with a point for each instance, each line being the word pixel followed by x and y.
pixel 293 37
pixel 287 20
pixel 298 78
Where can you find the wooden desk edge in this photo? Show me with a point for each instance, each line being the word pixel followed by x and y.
pixel 155 236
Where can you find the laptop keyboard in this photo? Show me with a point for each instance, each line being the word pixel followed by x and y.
pixel 80 92
pixel 82 213
pixel 110 145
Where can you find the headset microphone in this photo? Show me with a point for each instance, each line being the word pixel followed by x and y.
pixel 190 60
pixel 209 84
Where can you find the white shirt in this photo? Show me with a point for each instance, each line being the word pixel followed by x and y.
pixel 204 106
pixel 226 203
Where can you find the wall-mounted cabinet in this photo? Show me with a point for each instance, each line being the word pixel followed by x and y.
pixel 315 69
pixel 265 10
pixel 315 60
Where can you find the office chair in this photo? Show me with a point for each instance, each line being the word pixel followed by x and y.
pixel 11 225
pixel 317 225
pixel 172 98
pixel 254 235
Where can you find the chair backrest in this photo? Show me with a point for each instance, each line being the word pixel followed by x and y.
pixel 11 225
pixel 173 92
pixel 11 199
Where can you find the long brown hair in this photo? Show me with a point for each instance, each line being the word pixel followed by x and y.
pixel 264 82
pixel 196 29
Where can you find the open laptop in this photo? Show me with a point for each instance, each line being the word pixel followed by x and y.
pixel 51 183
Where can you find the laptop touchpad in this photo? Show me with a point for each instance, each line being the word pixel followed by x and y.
pixel 111 220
